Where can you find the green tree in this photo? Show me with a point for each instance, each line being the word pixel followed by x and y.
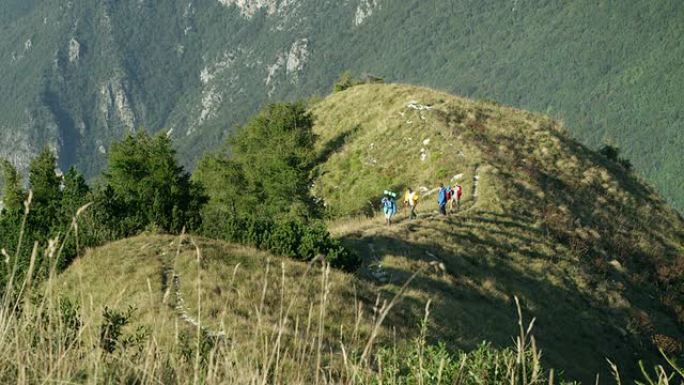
pixel 13 193
pixel 45 184
pixel 268 172
pixel 145 187
pixel 13 198
pixel 74 194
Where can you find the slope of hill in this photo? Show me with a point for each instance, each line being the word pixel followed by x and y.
pixel 174 284
pixel 594 254
pixel 79 74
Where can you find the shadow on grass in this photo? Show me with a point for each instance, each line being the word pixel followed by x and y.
pixel 472 299
pixel 335 144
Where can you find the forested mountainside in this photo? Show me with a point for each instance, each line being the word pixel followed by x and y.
pixel 78 74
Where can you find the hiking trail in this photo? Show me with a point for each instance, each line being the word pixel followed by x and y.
pixel 178 304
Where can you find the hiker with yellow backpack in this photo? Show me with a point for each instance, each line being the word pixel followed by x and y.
pixel 411 200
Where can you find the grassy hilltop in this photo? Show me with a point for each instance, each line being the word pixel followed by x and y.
pixel 594 252
pixel 591 251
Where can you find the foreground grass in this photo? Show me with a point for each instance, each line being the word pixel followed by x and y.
pixel 165 310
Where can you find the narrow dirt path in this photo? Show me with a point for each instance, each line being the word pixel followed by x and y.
pixel 178 304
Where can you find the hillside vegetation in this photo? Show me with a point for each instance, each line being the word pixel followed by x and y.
pixel 592 252
pixel 179 310
pixel 79 75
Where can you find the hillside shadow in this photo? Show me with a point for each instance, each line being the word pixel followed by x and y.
pixel 472 298
pixel 603 214
pixel 68 133
pixel 335 144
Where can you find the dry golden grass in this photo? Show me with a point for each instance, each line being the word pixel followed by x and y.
pixel 207 312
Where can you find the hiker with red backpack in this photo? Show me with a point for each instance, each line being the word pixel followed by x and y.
pixel 456 193
pixel 459 193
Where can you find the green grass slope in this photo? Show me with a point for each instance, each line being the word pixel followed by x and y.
pixel 596 255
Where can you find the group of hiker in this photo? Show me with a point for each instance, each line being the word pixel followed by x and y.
pixel 446 196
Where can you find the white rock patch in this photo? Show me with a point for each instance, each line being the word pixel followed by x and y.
pixel 364 10
pixel 298 56
pixel 74 50
pixel 249 8
pixel 114 103
pixel 293 61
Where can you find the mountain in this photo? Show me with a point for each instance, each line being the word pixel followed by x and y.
pixel 77 75
pixel 592 252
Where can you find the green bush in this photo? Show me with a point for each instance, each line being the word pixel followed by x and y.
pixel 146 188
pixel 287 237
pixel 111 329
pixel 612 153
pixel 345 81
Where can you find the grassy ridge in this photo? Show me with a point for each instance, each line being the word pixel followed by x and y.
pixel 581 239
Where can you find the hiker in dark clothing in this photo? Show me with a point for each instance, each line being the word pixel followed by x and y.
pixel 442 199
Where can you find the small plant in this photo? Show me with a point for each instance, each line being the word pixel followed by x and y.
pixel 111 329
pixel 70 314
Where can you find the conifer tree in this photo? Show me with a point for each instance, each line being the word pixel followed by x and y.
pixel 47 194
pixel 148 187
pixel 13 193
pixel 268 172
pixel 74 193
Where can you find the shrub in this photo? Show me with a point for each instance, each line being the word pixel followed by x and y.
pixel 111 329
pixel 345 81
pixel 287 237
pixel 612 153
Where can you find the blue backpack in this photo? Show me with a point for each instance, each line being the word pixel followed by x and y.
pixel 389 205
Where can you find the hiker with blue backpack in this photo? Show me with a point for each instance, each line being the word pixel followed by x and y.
pixel 442 199
pixel 389 206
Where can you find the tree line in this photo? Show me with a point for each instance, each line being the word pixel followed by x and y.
pixel 254 191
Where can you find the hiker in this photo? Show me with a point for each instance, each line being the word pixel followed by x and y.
pixel 449 194
pixel 389 206
pixel 455 201
pixel 411 199
pixel 457 196
pixel 442 199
